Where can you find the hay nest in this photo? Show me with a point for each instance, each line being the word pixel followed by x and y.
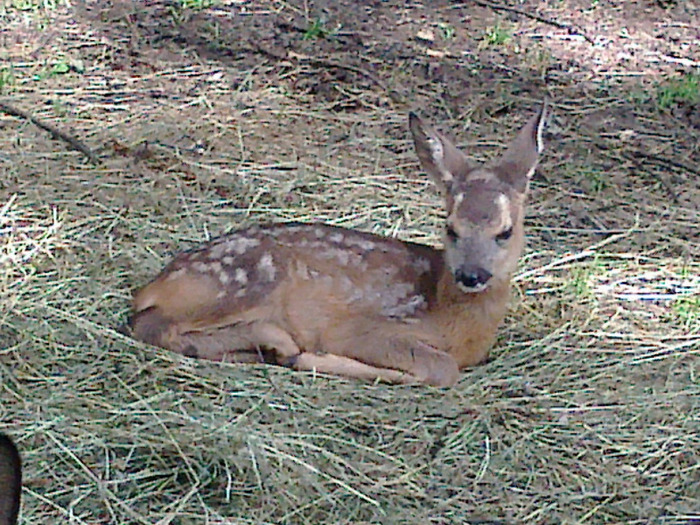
pixel 588 411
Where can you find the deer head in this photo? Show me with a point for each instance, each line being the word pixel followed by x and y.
pixel 485 204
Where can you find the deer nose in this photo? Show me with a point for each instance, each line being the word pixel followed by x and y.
pixel 472 277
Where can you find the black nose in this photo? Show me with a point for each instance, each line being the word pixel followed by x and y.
pixel 472 277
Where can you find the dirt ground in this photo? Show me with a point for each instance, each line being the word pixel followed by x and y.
pixel 197 117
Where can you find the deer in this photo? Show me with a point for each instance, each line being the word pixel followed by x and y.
pixel 318 297
pixel 10 481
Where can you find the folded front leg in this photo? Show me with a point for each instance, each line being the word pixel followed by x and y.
pixel 390 346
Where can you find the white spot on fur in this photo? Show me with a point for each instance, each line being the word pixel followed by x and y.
pixel 240 245
pixel 201 267
pixel 422 265
pixel 361 243
pixel 406 308
pixel 342 256
pixel 216 251
pixel 224 278
pixel 302 270
pixel 241 276
pixel 266 268
pixel 336 237
pixel 176 274
pixel 228 260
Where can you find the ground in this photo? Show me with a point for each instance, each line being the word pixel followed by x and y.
pixel 205 116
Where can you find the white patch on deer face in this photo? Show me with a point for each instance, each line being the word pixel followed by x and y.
pixel 241 276
pixel 503 203
pixel 266 268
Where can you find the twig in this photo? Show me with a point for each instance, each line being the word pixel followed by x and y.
pixel 667 162
pixel 324 62
pixel 55 132
pixel 636 157
pixel 327 63
pixel 561 25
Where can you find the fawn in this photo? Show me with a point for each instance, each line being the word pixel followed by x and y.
pixel 10 481
pixel 339 301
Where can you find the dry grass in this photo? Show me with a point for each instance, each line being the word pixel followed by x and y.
pixel 587 413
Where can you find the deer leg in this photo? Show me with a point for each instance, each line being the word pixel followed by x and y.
pixel 388 346
pixel 345 366
pixel 245 342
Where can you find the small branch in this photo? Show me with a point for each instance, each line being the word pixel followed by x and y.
pixel 327 63
pixel 667 162
pixel 55 132
pixel 569 28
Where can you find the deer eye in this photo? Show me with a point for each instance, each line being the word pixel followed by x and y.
pixel 451 233
pixel 505 235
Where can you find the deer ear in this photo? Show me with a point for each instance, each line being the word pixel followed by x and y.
pixel 439 157
pixel 518 163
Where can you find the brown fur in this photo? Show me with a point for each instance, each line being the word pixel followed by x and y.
pixel 322 298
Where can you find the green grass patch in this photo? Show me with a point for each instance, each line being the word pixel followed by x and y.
pixel 685 89
pixel 496 36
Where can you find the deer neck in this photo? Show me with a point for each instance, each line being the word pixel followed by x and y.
pixel 468 321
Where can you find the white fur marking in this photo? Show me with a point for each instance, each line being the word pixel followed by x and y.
pixel 437 151
pixel 202 267
pixel 336 237
pixel 241 276
pixel 540 128
pixel 240 245
pixel 176 274
pixel 422 265
pixel 266 268
pixel 503 203
pixel 363 244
